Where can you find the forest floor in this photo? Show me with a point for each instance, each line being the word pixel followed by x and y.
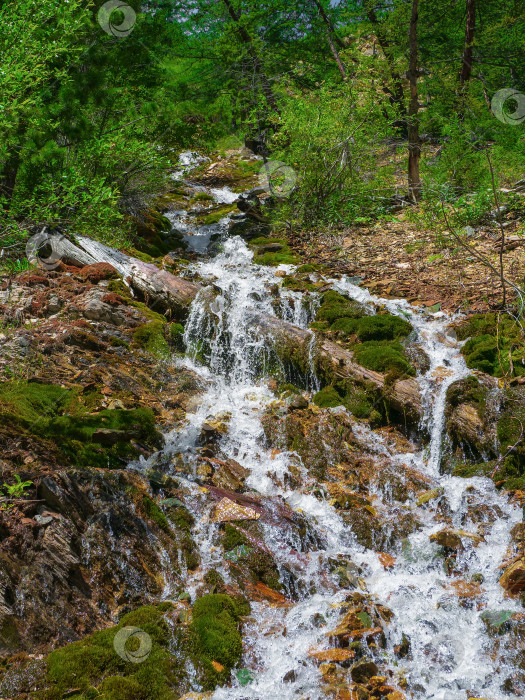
pixel 402 258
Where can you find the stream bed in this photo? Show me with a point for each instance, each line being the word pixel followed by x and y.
pixel 451 655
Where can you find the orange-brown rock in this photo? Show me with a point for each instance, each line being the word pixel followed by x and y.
pixel 387 560
pixel 465 589
pixel 513 578
pixel 332 655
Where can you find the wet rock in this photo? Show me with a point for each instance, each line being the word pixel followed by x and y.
pixel 227 510
pixel 229 474
pixel 430 495
pixel 363 670
pixel 332 655
pixel 513 578
pixel 297 402
pixel 454 539
pixel 387 560
pixel 471 416
pixel 497 621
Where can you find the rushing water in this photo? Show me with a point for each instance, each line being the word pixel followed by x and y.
pixel 451 655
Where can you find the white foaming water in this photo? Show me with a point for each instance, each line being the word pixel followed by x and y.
pixel 449 647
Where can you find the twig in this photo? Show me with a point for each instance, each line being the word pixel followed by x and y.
pixel 509 449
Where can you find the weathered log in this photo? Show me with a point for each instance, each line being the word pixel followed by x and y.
pixel 176 294
pixel 332 360
pixel 157 286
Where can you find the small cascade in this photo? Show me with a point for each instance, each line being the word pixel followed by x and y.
pixel 450 654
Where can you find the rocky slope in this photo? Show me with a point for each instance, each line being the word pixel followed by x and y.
pixel 243 500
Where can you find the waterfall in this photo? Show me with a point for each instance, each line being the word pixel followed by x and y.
pixel 451 655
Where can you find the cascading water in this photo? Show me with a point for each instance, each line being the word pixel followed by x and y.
pixel 451 655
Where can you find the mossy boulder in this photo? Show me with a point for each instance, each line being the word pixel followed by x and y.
pixel 151 654
pixel 94 663
pixel 495 344
pixel 335 306
pixel 216 637
pixel 383 356
pixel 63 416
pixel 282 257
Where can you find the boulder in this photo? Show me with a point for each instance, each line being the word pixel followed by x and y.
pixel 513 578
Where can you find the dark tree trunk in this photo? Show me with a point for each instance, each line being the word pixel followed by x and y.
pixel 470 30
pixel 414 142
pixel 396 94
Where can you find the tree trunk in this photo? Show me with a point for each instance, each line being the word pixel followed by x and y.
pixel 470 29
pixel 174 294
pixel 397 94
pixel 414 143
pixel 336 56
pixel 246 39
pixel 326 19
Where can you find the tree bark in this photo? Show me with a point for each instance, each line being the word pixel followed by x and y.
pixel 468 50
pixel 175 295
pixel 336 56
pixel 246 39
pixel 414 143
pixel 397 94
pixel 326 19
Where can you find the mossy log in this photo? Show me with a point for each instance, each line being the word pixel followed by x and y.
pixel 333 361
pixel 291 343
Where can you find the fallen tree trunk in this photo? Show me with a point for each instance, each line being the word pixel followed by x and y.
pixel 292 343
pixel 333 361
pixel 158 286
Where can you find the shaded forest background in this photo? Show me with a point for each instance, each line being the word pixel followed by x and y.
pixel 372 104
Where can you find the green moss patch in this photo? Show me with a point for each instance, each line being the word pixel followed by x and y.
pixel 283 257
pixel 155 513
pixel 216 637
pixel 150 337
pixel 495 344
pixel 383 356
pixel 328 397
pixel 334 306
pixel 215 216
pixel 102 439
pixel 357 400
pixel 94 668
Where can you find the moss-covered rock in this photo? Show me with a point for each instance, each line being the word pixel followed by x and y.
pixel 102 439
pixel 383 356
pixel 216 639
pixel 149 655
pixel 495 345
pixel 150 337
